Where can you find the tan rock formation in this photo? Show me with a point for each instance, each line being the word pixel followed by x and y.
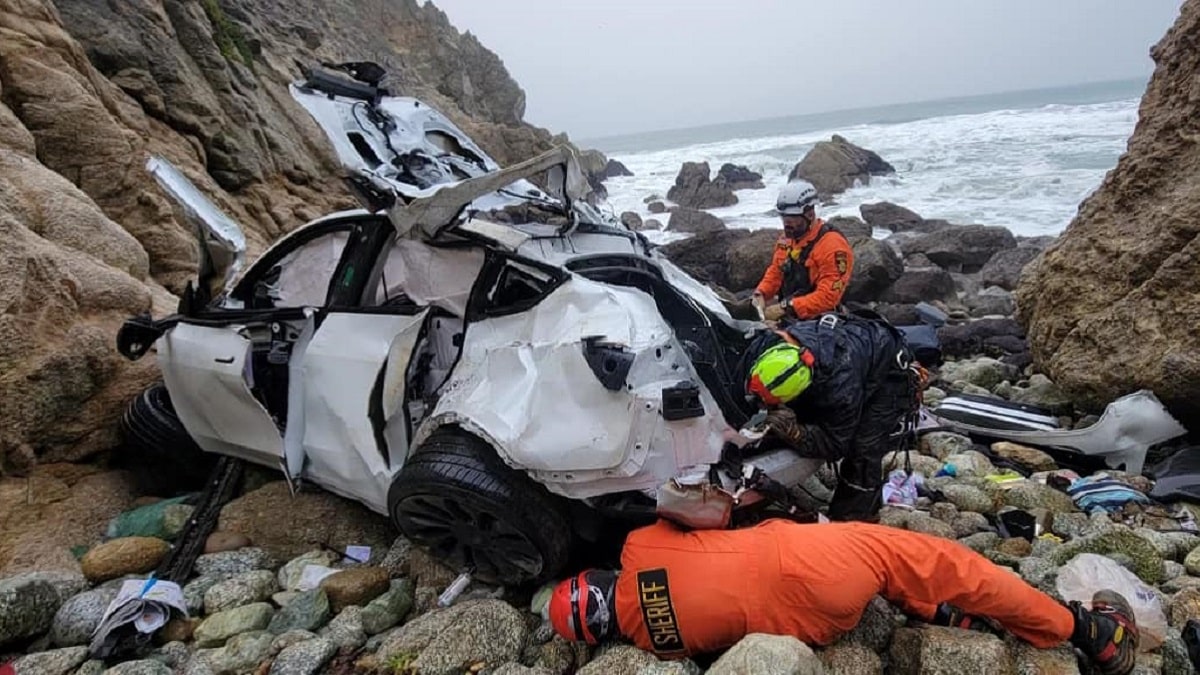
pixel 1113 305
pixel 89 90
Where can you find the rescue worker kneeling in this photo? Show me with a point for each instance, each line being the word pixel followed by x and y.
pixel 837 388
pixel 681 593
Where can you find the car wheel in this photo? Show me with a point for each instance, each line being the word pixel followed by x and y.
pixel 456 498
pixel 158 450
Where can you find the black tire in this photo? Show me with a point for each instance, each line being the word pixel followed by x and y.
pixel 164 459
pixel 456 498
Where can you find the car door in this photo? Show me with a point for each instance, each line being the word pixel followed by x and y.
pixel 226 364
pixel 376 339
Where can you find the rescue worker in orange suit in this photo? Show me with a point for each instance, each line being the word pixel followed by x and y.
pixel 682 593
pixel 836 389
pixel 811 267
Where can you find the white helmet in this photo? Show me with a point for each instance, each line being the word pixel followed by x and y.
pixel 794 197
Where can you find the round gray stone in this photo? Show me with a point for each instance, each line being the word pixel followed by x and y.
pixel 78 617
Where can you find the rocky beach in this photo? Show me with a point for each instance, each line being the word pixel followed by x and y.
pixel 1066 323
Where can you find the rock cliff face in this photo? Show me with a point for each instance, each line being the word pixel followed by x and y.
pixel 1114 304
pixel 88 90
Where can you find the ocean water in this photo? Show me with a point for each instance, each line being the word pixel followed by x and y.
pixel 1024 160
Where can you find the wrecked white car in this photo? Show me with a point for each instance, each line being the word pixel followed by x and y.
pixel 493 364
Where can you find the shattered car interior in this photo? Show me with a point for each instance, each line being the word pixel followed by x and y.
pixel 477 352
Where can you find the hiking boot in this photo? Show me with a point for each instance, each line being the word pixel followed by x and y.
pixel 1107 633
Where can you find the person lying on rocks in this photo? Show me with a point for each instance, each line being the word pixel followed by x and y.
pixel 836 387
pixel 681 593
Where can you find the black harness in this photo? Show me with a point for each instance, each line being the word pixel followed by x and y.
pixel 795 269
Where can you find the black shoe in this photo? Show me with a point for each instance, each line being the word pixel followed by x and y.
pixel 1107 633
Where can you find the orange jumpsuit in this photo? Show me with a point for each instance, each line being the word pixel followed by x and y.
pixel 823 280
pixel 682 593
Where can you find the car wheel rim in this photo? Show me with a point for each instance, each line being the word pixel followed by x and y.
pixel 469 535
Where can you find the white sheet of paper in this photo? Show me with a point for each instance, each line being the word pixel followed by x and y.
pixel 312 575
pixel 359 553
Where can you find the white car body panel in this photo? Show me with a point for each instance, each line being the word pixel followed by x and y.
pixel 341 366
pixel 590 440
pixel 205 369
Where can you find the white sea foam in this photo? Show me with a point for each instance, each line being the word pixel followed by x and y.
pixel 1027 170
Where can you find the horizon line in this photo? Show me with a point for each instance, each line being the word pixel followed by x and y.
pixel 592 141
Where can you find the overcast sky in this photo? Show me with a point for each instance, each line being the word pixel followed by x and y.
pixel 603 67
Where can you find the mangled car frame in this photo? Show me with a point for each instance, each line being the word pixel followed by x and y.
pixel 491 363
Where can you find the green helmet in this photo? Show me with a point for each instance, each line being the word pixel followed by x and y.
pixel 781 373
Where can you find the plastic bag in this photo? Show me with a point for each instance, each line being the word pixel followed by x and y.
pixel 1088 573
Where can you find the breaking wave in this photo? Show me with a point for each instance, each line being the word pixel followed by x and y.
pixel 1027 170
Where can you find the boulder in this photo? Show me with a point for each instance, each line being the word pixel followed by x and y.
pixel 971 463
pixel 388 609
pixel 28 603
pixel 118 557
pixel 657 207
pixel 78 617
pixel 227 564
pixel 969 498
pixel 1041 392
pixel 969 523
pixel 241 653
pixel 652 224
pixel 284 525
pixel 850 227
pixel 308 611
pixel 889 216
pixel 487 631
pixel 631 220
pixel 1004 268
pixel 965 248
pixel 991 301
pixel 851 659
pixel 619 659
pixel 980 541
pixel 941 651
pixel 219 542
pixel 1126 271
pixel 346 629
pixel 303 658
pixel 53 662
pixel 768 655
pixel 1146 561
pixel 835 165
pixel 738 177
pixel 1030 458
pixel 1030 495
pixel 615 169
pixel 1030 659
pixel 876 267
pixel 245 588
pixel 1185 605
pixel 695 189
pixel 732 259
pixel 142 667
pixel 995 337
pixel 942 444
pixel 921 284
pixel 982 372
pixel 291 574
pixel 921 522
pixel 356 586
pixel 219 627
pixel 1192 562
pixel 694 222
